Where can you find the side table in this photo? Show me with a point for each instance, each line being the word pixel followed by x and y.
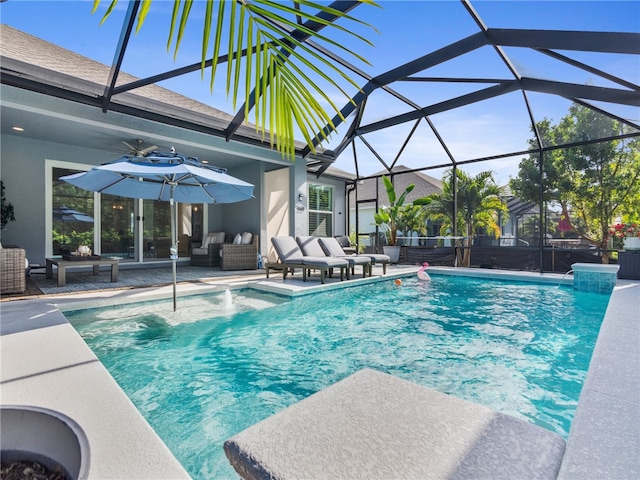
pixel 629 261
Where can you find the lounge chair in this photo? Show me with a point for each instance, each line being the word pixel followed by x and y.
pixel 332 247
pixel 346 245
pixel 315 246
pixel 291 257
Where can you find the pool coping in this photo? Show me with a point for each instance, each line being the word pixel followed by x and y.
pixel 604 441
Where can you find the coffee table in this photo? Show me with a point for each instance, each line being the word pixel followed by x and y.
pixel 64 264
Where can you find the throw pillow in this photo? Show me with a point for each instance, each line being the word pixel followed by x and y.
pixel 237 240
pixel 246 238
pixel 207 240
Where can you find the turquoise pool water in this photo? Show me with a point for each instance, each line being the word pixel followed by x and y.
pixel 210 370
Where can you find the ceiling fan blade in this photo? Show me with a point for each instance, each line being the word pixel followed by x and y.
pixel 148 149
pixel 129 146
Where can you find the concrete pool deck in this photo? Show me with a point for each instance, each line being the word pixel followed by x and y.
pixel 45 363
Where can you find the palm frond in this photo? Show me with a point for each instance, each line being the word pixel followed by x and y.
pixel 266 28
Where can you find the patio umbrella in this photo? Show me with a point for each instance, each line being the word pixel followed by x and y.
pixel 66 214
pixel 170 177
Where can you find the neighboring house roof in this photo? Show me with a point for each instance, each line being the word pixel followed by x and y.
pixel 520 207
pixel 424 185
pixel 336 173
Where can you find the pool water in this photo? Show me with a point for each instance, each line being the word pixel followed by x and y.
pixel 212 369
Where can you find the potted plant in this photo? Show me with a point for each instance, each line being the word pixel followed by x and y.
pixel 6 209
pixel 629 232
pixel 388 217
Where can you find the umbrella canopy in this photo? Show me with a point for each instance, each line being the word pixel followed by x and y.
pixel 164 176
pixel 66 214
pixel 159 176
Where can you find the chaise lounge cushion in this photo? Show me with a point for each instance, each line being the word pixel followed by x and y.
pixel 289 251
pixel 332 248
pixel 345 243
pixel 310 246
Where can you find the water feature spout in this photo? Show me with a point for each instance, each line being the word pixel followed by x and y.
pixel 563 277
pixel 227 303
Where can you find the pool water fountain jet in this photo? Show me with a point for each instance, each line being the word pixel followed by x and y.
pixel 563 277
pixel 227 303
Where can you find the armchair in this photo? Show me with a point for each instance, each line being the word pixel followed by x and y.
pixel 208 254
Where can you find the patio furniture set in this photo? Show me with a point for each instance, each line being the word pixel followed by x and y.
pixel 324 254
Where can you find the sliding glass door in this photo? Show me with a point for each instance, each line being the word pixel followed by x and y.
pixel 127 228
pixel 117 227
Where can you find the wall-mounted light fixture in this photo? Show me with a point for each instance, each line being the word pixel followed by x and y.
pixel 300 203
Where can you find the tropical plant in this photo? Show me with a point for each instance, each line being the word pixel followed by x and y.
pixel 599 181
pixel 268 41
pixel 479 206
pixel 412 218
pixel 72 239
pixel 6 209
pixel 389 215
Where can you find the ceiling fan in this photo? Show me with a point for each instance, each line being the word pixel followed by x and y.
pixel 137 150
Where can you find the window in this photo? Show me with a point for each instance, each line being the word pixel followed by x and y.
pixel 72 214
pixel 320 210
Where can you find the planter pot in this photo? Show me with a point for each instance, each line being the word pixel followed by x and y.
pixel 45 436
pixel 393 252
pixel 632 243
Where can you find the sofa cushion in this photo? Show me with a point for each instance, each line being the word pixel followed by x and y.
pixel 218 237
pixel 213 237
pixel 237 240
pixel 200 251
pixel 207 240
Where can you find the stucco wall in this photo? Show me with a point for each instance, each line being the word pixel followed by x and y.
pixel 23 174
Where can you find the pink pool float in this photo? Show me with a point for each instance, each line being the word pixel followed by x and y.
pixel 422 273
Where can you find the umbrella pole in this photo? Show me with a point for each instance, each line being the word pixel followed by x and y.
pixel 174 249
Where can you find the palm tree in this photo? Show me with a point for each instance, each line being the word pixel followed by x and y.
pixel 412 218
pixel 478 204
pixel 266 40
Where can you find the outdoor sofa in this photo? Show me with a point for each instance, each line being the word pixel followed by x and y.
pixel 240 256
pixel 227 251
pixel 290 257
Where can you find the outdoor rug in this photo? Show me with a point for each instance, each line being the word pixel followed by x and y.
pixel 82 281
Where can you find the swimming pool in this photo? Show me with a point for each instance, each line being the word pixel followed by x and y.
pixel 199 378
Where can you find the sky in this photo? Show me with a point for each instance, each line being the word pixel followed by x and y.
pixel 400 32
